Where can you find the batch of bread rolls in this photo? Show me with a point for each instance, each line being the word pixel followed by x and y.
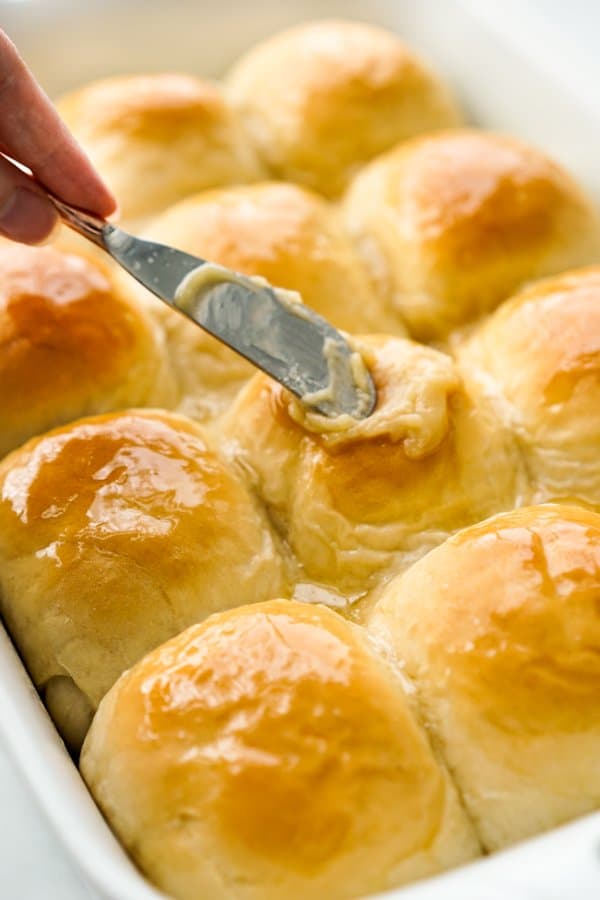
pixel 308 661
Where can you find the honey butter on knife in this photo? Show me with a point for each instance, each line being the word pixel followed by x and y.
pixel 275 331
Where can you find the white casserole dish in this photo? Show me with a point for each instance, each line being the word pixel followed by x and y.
pixel 518 79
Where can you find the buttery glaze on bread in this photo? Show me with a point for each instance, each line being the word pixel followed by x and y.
pixel 158 138
pixel 454 223
pixel 286 234
pixel 323 98
pixel 433 457
pixel 541 352
pixel 117 532
pixel 274 750
pixel 500 630
pixel 71 344
pixel 270 754
pixel 277 231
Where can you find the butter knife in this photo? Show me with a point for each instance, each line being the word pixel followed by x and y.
pixel 286 339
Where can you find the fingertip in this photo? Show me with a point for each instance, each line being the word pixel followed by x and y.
pixel 93 196
pixel 83 186
pixel 107 204
pixel 115 215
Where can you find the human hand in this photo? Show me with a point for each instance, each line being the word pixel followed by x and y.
pixel 32 133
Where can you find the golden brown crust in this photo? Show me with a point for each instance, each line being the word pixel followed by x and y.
pixel 455 222
pixel 117 532
pixel 541 352
pixel 271 750
pixel 500 629
pixel 158 138
pixel 434 457
pixel 71 344
pixel 322 99
pixel 289 236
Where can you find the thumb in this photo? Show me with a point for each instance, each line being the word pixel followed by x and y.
pixel 26 215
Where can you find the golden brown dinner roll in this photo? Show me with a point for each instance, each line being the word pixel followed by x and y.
pixel 71 344
pixel 541 351
pixel 158 138
pixel 353 496
pixel 323 98
pixel 280 232
pixel 500 629
pixel 289 236
pixel 269 753
pixel 117 532
pixel 453 223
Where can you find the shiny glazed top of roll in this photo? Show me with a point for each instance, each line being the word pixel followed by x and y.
pixel 71 343
pixel 269 753
pixel 453 223
pixel 323 98
pixel 499 628
pixel 117 532
pixel 541 352
pixel 158 138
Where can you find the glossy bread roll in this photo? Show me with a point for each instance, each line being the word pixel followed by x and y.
pixel 280 232
pixel 323 98
pixel 158 138
pixel 71 344
pixel 500 630
pixel 454 223
pixel 117 532
pixel 269 753
pixel 541 352
pixel 353 497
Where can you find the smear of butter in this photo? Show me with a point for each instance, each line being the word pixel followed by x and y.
pixel 414 384
pixel 200 280
pixel 337 365
pixel 195 284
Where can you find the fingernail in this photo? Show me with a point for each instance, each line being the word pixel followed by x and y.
pixel 27 216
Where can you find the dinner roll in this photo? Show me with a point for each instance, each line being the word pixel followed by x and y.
pixel 453 223
pixel 158 138
pixel 541 350
pixel 353 496
pixel 280 232
pixel 289 236
pixel 117 532
pixel 71 344
pixel 323 98
pixel 500 629
pixel 269 753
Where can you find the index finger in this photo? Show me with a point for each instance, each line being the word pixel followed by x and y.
pixel 32 132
